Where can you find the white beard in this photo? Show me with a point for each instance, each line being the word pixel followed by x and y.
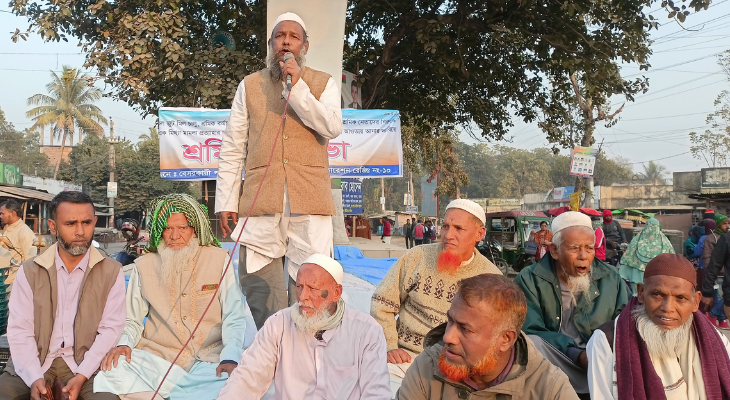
pixel 174 260
pixel 310 325
pixel 579 285
pixel 661 343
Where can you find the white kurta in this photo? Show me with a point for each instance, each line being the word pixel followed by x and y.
pixel 602 361
pixel 349 362
pixel 145 371
pixel 270 237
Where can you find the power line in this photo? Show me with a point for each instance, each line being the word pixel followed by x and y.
pixel 664 117
pixel 659 159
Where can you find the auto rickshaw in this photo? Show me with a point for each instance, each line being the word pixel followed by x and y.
pixel 511 229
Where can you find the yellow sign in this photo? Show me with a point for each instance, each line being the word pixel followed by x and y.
pixel 575 201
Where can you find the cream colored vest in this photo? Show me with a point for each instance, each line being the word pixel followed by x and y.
pixel 300 158
pixel 176 308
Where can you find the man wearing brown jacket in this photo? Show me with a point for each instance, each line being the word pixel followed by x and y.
pixel 66 309
pixel 292 214
pixel 481 353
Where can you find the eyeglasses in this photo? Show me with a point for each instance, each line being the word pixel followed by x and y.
pixel 575 248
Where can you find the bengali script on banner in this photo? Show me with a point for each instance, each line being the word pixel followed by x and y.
pixel 190 142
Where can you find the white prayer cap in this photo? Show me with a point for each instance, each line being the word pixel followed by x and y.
pixel 570 218
pixel 470 207
pixel 290 16
pixel 328 263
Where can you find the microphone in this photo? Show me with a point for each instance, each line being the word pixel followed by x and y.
pixel 288 56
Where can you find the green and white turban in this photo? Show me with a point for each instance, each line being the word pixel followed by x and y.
pixel 196 213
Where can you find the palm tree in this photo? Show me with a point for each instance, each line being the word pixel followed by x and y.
pixel 654 172
pixel 69 105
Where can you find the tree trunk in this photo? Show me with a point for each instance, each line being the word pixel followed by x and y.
pixel 79 142
pixel 63 145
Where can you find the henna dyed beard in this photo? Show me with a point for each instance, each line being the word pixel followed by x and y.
pixel 448 262
pixel 459 373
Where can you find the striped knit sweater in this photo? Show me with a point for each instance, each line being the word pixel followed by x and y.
pixel 414 290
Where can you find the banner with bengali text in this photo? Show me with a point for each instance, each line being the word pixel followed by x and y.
pixel 190 142
pixel 351 196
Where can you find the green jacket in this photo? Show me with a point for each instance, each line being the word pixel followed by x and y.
pixel 608 293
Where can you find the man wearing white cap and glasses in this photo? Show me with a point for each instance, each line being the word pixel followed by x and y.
pixel 419 287
pixel 292 214
pixel 569 295
pixel 316 349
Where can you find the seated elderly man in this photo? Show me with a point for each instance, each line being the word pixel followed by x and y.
pixel 481 352
pixel 172 285
pixel 419 288
pixel 316 349
pixel 660 347
pixel 569 295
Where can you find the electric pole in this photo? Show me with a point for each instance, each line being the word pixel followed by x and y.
pixel 112 169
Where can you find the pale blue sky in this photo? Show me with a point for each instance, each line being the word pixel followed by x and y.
pixel 685 79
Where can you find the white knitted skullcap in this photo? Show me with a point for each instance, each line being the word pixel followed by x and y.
pixel 290 16
pixel 568 219
pixel 470 207
pixel 329 264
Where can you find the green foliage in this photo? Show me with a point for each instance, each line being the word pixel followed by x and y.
pixel 70 104
pixel 139 177
pixel 22 149
pixel 138 172
pixel 441 63
pixel 654 172
pixel 712 145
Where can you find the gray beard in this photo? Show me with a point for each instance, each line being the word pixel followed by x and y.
pixel 310 325
pixel 273 68
pixel 661 343
pixel 174 260
pixel 579 285
pixel 73 250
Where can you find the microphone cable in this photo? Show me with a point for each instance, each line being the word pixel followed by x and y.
pixel 230 258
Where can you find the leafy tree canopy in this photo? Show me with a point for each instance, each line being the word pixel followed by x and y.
pixel 22 149
pixel 442 63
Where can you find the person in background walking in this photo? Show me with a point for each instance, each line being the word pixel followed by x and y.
pixel 717 314
pixel 385 238
pixel 408 233
pixel 428 225
pixel 418 231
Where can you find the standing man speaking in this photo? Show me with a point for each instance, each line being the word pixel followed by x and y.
pixel 291 215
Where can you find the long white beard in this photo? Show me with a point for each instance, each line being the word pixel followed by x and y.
pixel 661 343
pixel 272 63
pixel 579 285
pixel 174 260
pixel 310 325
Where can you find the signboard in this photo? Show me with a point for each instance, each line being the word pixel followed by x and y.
pixel 370 145
pixel 351 96
pixel 411 209
pixel 111 189
pixel 190 143
pixel 562 194
pixel 715 178
pixel 10 174
pixel 583 162
pixel 428 197
pixel 51 186
pixel 504 202
pixel 351 196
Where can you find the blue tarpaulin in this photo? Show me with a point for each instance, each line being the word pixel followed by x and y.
pixel 354 262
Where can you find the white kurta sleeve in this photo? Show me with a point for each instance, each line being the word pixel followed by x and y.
pixel 137 310
pixel 255 371
pixel 232 155
pixel 323 115
pixel 233 315
pixel 600 366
